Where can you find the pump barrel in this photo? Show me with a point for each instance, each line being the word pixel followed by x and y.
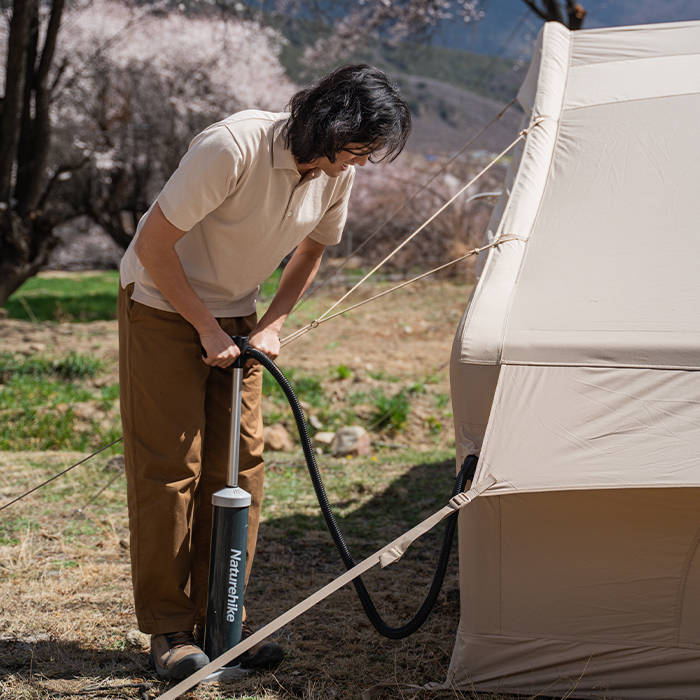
pixel 226 579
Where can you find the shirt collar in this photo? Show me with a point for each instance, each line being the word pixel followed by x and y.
pixel 282 158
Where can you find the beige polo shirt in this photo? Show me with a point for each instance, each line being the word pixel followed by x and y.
pixel 239 196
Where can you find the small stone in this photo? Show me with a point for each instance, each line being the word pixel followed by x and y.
pixel 351 441
pixel 323 438
pixel 137 640
pixel 37 347
pixel 315 421
pixel 277 438
pixel 321 442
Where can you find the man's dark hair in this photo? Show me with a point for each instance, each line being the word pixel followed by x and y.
pixel 355 104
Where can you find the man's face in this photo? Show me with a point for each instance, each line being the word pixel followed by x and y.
pixel 352 154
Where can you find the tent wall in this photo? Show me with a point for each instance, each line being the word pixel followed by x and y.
pixel 582 592
pixel 562 428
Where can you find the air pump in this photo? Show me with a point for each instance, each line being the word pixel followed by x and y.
pixel 228 544
pixel 230 530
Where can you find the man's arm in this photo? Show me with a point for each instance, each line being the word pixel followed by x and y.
pixel 155 248
pixel 296 278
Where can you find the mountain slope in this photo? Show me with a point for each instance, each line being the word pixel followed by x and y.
pixel 445 117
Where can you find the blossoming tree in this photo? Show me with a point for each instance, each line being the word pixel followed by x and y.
pixel 101 100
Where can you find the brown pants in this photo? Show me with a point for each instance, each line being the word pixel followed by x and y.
pixel 176 416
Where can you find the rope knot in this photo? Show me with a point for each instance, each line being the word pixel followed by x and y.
pixel 314 324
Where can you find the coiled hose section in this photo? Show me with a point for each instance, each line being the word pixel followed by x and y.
pixel 465 474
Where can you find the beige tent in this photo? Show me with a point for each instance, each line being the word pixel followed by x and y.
pixel 575 373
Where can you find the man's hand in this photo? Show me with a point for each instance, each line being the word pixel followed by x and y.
pixel 266 340
pixel 220 350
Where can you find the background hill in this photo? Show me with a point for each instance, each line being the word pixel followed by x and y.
pixel 452 93
pixel 445 117
pixel 467 61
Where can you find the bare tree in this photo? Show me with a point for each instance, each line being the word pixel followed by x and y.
pixel 570 13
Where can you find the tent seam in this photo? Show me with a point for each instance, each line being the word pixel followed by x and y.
pixel 636 99
pixel 564 638
pixel 684 582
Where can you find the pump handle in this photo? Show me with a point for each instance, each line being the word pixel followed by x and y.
pixel 242 342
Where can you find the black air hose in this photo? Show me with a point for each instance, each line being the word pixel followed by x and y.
pixel 465 474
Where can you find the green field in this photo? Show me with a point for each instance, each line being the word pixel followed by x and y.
pixel 79 297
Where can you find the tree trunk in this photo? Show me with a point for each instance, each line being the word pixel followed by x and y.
pixel 12 107
pixel 26 232
pixel 25 244
pixel 551 11
pixel 576 14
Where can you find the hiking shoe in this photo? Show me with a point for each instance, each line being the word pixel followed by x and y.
pixel 176 655
pixel 263 655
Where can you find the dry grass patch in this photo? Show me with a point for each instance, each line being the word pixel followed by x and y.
pixel 67 613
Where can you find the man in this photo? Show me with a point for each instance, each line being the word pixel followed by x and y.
pixel 248 191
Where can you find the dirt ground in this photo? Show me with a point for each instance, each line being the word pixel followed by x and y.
pixel 406 335
pixel 404 332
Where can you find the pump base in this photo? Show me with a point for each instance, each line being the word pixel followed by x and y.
pixel 226 672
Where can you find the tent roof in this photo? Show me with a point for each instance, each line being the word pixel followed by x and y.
pixel 604 208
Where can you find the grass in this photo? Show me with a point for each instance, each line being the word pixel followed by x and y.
pixel 378 409
pixel 75 298
pixel 50 403
pixel 72 366
pixel 343 372
pixel 391 411
pixel 80 297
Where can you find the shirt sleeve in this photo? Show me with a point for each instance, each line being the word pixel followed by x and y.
pixel 329 230
pixel 206 176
